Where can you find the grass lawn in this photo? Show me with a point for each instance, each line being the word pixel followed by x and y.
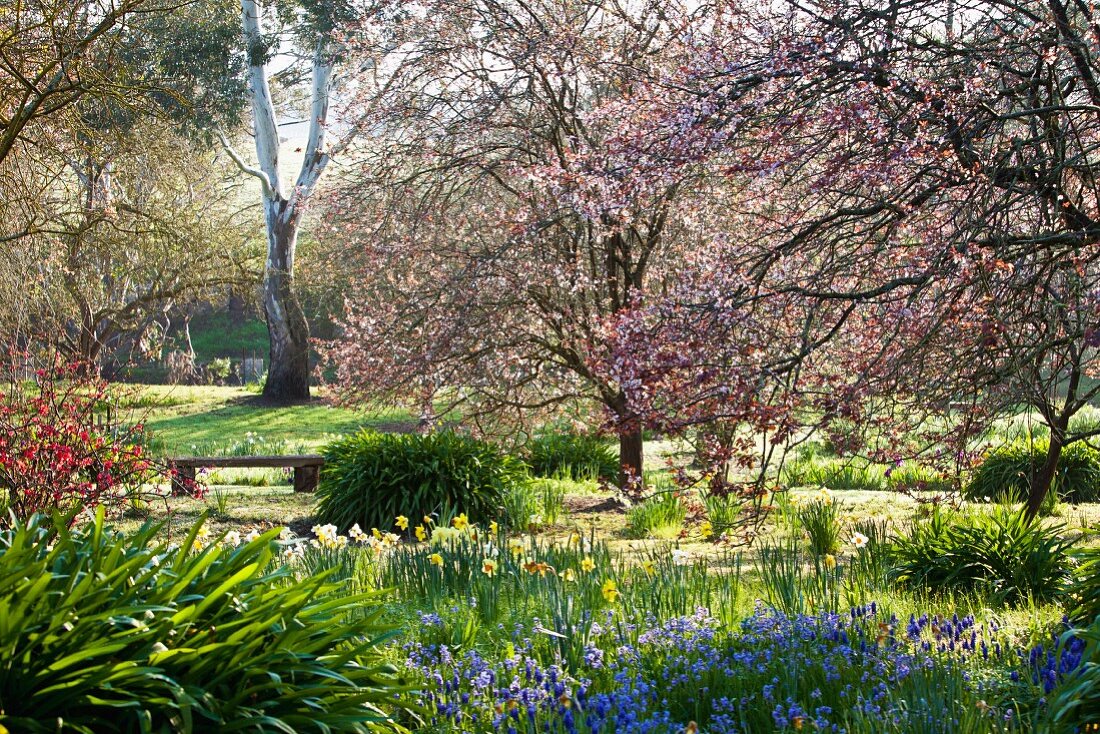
pixel 187 419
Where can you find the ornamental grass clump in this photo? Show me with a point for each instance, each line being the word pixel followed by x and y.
pixel 370 478
pixel 661 515
pixel 1000 553
pixel 576 456
pixel 104 632
pixel 1006 473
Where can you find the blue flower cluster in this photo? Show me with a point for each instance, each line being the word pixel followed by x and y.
pixel 849 673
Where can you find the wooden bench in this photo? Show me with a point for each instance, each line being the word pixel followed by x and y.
pixel 307 468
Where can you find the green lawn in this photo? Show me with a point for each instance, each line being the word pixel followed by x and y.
pixel 185 419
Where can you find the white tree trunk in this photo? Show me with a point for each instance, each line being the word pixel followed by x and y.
pixel 288 373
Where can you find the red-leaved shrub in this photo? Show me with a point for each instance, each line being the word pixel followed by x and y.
pixel 54 454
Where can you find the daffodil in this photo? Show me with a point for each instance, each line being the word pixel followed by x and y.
pixel 461 522
pixel 489 567
pixel 436 560
pixel 402 522
pixel 515 546
pixel 421 533
pixel 830 561
pixel 859 540
pixel 588 564
pixel 610 590
pixel 650 567
pixel 568 575
pixel 494 529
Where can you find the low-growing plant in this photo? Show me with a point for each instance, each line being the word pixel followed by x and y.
pixel 578 456
pixel 370 478
pixel 723 512
pixel 1000 553
pixel 112 633
pixel 1075 705
pixel 1083 598
pixel 520 506
pixel 1007 471
pixel 551 494
pixel 795 584
pixel 219 500
pixel 661 515
pixel 868 568
pixel 820 518
pixel 834 474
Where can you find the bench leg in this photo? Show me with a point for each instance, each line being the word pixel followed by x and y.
pixel 305 478
pixel 183 480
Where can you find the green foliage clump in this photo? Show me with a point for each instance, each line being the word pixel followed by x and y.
pixel 370 478
pixel 577 456
pixel 1000 553
pixel 662 515
pixel 107 633
pixel 533 503
pixel 1075 704
pixel 1084 594
pixel 723 511
pixel 1006 472
pixel 820 518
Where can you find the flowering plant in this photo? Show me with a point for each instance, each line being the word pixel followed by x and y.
pixel 53 452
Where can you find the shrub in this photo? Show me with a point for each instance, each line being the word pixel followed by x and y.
pixel 578 456
pixel 1001 553
pixel 106 632
pixel 1006 472
pixel 662 515
pixel 54 454
pixel 370 478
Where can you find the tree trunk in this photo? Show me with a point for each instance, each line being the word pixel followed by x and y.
pixel 1043 482
pixel 288 371
pixel 630 461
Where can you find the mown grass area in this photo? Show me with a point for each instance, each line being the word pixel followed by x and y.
pixel 185 419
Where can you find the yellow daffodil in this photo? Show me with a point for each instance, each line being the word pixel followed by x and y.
pixel 494 529
pixel 706 529
pixel 489 567
pixel 650 567
pixel 421 533
pixel 436 559
pixel 568 575
pixel 376 533
pixel 588 564
pixel 461 522
pixel 402 522
pixel 428 520
pixel 515 546
pixel 610 590
pixel 830 561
